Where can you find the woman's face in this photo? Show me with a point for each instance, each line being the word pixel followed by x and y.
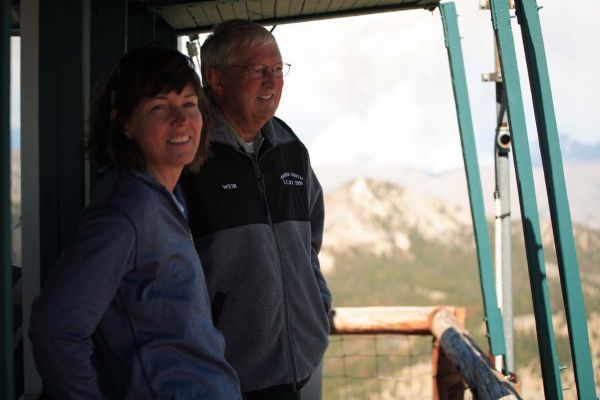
pixel 166 129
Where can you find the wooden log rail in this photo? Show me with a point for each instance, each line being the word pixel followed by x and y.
pixel 456 359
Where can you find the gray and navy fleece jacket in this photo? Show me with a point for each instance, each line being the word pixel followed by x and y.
pixel 257 223
pixel 125 312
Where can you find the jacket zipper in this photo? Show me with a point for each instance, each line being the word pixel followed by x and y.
pixel 262 188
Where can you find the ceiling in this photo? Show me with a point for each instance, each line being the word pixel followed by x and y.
pixel 186 17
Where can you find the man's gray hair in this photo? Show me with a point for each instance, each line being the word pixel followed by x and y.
pixel 217 49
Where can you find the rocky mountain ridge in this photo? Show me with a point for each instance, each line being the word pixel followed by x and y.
pixel 582 181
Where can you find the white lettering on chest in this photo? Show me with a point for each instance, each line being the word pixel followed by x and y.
pixel 292 179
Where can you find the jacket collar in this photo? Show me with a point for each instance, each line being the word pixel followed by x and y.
pixel 223 132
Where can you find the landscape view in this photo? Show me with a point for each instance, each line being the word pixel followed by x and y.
pixel 410 243
pixel 387 244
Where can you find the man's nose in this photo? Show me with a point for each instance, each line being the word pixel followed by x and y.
pixel 269 75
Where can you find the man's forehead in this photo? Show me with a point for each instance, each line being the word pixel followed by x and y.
pixel 251 54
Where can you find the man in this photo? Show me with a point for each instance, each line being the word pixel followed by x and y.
pixel 256 214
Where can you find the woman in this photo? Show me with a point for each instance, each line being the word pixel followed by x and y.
pixel 125 313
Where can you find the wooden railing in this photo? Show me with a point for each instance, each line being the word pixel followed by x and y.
pixel 457 363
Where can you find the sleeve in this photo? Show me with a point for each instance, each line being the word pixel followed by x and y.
pixel 76 294
pixel 317 222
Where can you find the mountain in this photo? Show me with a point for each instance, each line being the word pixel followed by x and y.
pixel 582 179
pixel 391 245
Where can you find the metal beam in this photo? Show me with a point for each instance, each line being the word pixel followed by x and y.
pixel 7 390
pixel 145 27
pixel 539 80
pixel 61 129
pixel 493 318
pixel 30 186
pixel 527 200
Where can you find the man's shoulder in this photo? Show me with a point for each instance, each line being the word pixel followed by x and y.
pixel 279 132
pixel 281 124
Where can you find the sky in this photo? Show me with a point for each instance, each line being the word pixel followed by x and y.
pixel 15 92
pixel 374 92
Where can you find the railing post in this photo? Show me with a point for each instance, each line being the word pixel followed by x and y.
pixel 484 255
pixel 527 200
pixel 539 80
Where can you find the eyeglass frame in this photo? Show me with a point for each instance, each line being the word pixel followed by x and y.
pixel 264 69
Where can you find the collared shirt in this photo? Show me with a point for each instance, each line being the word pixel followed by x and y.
pixel 250 148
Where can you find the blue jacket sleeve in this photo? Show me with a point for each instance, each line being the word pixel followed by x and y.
pixel 76 294
pixel 317 222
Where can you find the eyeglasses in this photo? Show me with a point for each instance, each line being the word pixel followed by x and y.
pixel 259 70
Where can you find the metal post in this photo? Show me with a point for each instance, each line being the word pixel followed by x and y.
pixel 502 223
pixel 527 200
pixel 30 181
pixel 503 239
pixel 562 227
pixel 484 255
pixel 6 305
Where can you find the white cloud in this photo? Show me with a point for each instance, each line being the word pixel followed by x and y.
pixel 376 90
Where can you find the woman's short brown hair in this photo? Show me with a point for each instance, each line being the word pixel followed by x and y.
pixel 141 73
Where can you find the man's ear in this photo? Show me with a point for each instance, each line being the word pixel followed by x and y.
pixel 214 79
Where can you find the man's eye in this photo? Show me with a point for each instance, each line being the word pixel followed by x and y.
pixel 257 69
pixel 277 68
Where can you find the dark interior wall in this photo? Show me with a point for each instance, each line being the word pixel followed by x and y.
pixel 145 27
pixel 61 125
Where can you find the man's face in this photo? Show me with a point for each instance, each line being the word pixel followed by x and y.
pixel 248 103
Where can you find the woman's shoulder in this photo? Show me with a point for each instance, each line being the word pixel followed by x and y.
pixel 124 190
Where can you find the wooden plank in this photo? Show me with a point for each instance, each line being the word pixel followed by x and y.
pixel 365 3
pixel 240 10
pixel 348 4
pixel 225 11
pixel 212 12
pixel 323 6
pixel 309 6
pixel 282 8
pixel 372 320
pixel 254 9
pixel 483 380
pixel 268 9
pixel 335 5
pixel 296 7
pixel 447 382
pixel 199 16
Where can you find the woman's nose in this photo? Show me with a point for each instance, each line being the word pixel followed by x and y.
pixel 178 115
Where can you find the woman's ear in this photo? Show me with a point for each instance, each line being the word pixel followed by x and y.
pixel 112 116
pixel 214 79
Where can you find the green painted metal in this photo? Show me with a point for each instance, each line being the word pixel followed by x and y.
pixel 539 80
pixel 6 310
pixel 527 200
pixel 61 126
pixel 482 241
pixel 144 27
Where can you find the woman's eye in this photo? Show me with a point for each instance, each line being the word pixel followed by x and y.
pixel 158 107
pixel 190 104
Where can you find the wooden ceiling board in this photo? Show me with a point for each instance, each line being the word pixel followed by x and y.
pixel 282 8
pixel 240 10
pixel 202 15
pixel 254 9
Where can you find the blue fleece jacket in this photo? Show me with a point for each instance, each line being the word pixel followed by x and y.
pixel 125 313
